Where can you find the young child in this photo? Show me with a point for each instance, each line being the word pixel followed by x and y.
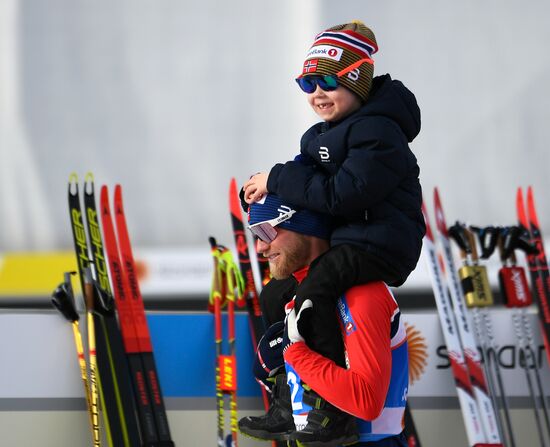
pixel 356 165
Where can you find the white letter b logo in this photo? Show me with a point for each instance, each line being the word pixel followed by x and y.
pixel 323 153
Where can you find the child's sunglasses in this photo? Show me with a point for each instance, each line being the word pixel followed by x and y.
pixel 309 83
pixel 327 83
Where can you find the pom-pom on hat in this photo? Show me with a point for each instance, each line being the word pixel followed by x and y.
pixel 302 221
pixel 340 47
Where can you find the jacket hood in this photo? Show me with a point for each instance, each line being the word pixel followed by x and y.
pixel 390 98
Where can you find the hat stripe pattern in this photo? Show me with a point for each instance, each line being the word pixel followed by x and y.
pixel 349 40
pixel 340 47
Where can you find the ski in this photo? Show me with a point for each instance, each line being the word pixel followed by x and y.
pixel 263 268
pixel 464 389
pixel 116 365
pixel 411 434
pixel 517 296
pixel 257 327
pixel 472 357
pixel 103 380
pixel 538 264
pixel 140 321
pixel 133 325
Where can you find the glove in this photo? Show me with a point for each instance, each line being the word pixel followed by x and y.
pixel 269 355
pixel 292 334
pixel 305 159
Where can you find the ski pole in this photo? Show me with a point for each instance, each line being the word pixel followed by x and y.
pixel 518 296
pixel 215 306
pixel 465 393
pixel 226 280
pixel 63 300
pixel 538 264
pixel 477 370
pixel 478 296
pixel 234 283
pixel 531 349
pixel 487 239
pixel 90 326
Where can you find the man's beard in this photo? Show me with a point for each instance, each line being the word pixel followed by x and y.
pixel 294 257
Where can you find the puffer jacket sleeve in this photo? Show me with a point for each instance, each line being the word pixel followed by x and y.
pixel 376 162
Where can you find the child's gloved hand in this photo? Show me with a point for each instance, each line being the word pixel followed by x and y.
pixel 255 188
pixel 292 333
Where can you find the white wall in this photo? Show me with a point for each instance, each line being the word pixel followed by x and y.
pixel 173 98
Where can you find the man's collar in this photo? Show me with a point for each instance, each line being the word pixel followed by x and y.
pixel 301 274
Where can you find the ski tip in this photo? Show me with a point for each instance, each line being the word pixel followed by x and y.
pixel 213 242
pixel 89 184
pixel 234 200
pixel 531 209
pixel 440 222
pixel 520 208
pixel 519 196
pixel 104 198
pixel 429 233
pixel 118 204
pixel 530 196
pixel 437 200
pixel 519 191
pixel 73 184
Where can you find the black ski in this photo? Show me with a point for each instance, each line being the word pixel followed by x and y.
pixel 105 309
pixel 106 381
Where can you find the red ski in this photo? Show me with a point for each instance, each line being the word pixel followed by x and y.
pixel 133 324
pixel 538 264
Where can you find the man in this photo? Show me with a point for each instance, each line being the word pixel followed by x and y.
pixel 339 392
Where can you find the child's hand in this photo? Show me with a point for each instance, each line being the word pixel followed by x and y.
pixel 255 188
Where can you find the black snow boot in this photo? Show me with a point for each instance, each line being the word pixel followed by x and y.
pixel 326 425
pixel 277 424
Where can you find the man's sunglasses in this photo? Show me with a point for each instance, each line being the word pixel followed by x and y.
pixel 265 231
pixel 328 83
